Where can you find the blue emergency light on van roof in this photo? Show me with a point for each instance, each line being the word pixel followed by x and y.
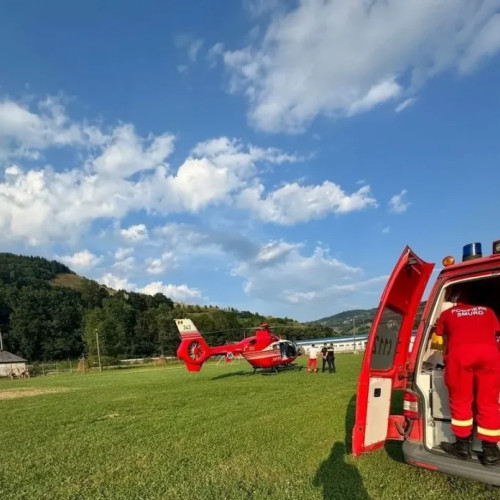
pixel 472 251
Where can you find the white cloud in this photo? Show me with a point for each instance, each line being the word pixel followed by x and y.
pixel 335 290
pixel 379 93
pixel 484 46
pixel 178 293
pixel 386 230
pixel 303 285
pixel 215 53
pixel 398 204
pixel 214 170
pixel 273 252
pixel 116 282
pixel 336 58
pixel 125 266
pixel 407 103
pixel 193 48
pixel 190 44
pixel 278 272
pixel 121 172
pixel 125 153
pixel 167 262
pixel 25 131
pixel 154 266
pixel 185 241
pixel 293 203
pixel 231 153
pixel 135 233
pixel 40 205
pixel 122 253
pixel 181 236
pixel 258 8
pixel 293 273
pixel 82 260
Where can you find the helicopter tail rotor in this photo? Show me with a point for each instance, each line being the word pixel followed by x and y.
pixel 193 350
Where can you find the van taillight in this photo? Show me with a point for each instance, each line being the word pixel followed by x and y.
pixel 410 405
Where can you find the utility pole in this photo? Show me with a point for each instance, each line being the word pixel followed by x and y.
pixel 354 335
pixel 1 341
pixel 98 350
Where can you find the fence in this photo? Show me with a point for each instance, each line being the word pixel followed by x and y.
pixel 90 365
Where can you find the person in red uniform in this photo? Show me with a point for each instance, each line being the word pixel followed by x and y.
pixel 472 375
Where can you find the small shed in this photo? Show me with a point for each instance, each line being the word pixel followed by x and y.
pixel 11 363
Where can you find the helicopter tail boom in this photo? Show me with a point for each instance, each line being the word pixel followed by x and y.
pixel 193 350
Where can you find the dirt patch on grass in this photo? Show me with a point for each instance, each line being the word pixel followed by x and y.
pixel 24 393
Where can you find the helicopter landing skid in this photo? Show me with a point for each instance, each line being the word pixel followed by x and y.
pixel 277 369
pixel 266 371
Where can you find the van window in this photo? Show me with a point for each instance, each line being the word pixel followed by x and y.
pixel 384 347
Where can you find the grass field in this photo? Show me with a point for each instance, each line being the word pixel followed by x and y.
pixel 164 433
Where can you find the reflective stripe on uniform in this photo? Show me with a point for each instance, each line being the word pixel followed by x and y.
pixel 463 423
pixel 488 432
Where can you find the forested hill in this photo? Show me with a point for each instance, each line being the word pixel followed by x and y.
pixel 47 312
pixel 358 320
pixel 348 319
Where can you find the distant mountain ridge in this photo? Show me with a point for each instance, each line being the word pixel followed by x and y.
pixel 347 317
pixel 355 320
pixel 348 322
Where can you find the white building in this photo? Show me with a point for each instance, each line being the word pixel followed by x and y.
pixel 340 344
pixel 11 363
pixel 343 344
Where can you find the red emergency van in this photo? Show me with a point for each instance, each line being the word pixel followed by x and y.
pixel 389 365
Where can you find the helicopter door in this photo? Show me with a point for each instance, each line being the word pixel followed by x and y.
pixel 284 350
pixel 384 363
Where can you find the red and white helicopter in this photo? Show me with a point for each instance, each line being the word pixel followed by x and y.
pixel 262 350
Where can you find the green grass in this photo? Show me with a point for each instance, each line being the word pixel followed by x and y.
pixel 164 433
pixel 69 280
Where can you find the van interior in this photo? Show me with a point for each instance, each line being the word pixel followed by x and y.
pixel 483 291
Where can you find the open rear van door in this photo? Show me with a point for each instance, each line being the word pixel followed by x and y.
pixel 384 363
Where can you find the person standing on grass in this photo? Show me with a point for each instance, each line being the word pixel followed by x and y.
pixel 330 358
pixel 312 365
pixel 323 358
pixel 472 375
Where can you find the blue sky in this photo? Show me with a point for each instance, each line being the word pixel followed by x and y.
pixel 267 155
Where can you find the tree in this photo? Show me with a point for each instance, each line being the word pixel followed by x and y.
pixel 46 323
pixel 145 334
pixel 44 320
pixel 93 322
pixel 114 323
pixel 167 340
pixel 92 294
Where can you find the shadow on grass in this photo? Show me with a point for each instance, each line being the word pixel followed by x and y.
pixel 261 371
pixel 394 448
pixel 232 374
pixel 395 451
pixel 339 479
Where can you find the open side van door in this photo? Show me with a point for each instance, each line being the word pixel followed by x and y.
pixel 385 362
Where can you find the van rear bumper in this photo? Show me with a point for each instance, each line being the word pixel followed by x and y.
pixel 416 454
